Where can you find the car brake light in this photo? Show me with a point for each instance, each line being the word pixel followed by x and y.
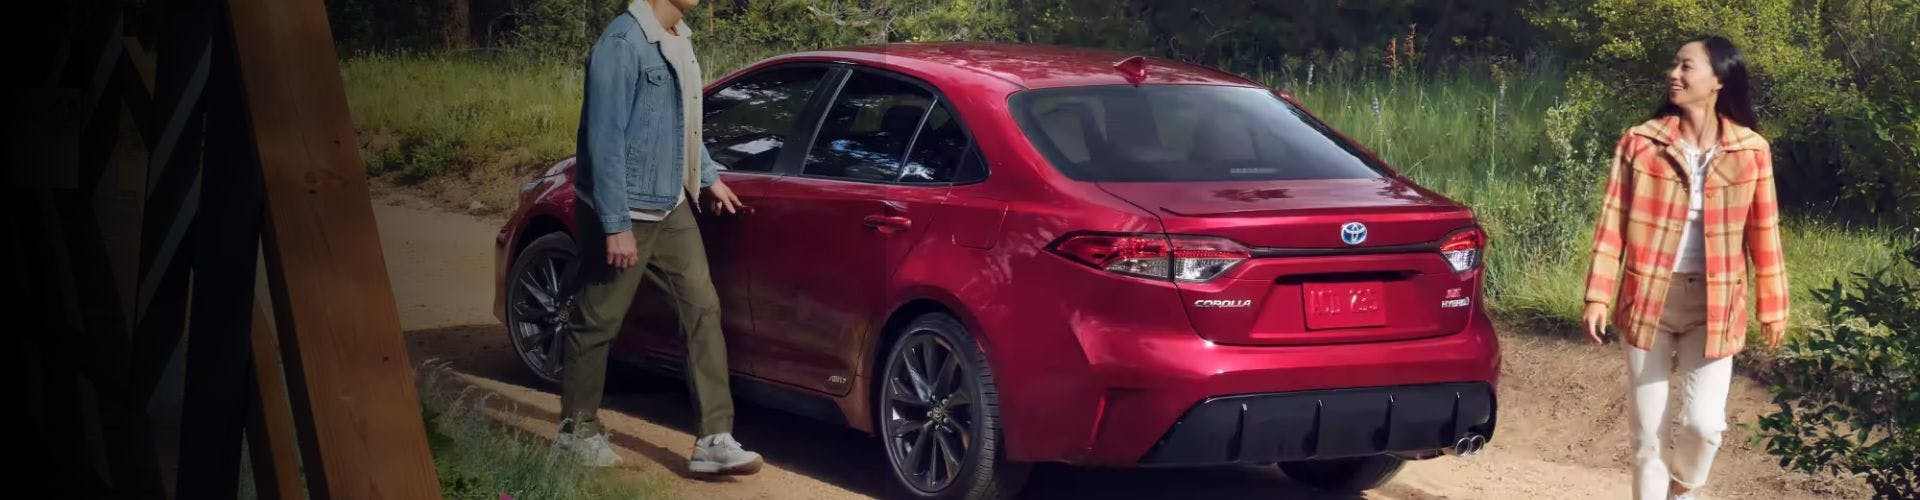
pixel 1462 249
pixel 1157 256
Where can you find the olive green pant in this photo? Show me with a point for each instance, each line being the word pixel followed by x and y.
pixel 672 257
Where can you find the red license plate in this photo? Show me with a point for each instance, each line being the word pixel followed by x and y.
pixel 1345 305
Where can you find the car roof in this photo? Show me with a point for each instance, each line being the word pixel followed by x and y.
pixel 1022 65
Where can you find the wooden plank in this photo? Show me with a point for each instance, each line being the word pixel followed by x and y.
pixel 270 432
pixel 227 239
pixel 333 303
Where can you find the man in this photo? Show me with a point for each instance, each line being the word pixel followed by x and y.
pixel 641 162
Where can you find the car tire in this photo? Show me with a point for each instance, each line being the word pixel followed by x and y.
pixel 538 309
pixel 1345 475
pixel 962 409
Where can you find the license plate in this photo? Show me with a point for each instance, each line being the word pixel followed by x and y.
pixel 1345 305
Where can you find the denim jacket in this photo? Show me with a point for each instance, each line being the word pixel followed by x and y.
pixel 631 136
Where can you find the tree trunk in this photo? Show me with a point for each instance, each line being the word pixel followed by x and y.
pixel 455 30
pixel 882 22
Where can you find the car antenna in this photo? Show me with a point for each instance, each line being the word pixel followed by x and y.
pixel 1133 68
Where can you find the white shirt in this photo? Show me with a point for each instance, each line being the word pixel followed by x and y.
pixel 677 46
pixel 1692 255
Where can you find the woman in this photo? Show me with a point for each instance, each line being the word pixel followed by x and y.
pixel 1689 202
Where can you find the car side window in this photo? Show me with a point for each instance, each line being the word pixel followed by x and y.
pixel 748 121
pixel 937 151
pixel 868 128
pixel 973 167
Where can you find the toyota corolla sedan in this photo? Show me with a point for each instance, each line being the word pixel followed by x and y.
pixel 996 255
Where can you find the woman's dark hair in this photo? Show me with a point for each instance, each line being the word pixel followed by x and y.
pixel 1736 94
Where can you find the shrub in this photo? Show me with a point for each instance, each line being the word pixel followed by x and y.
pixel 367 26
pixel 1849 390
pixel 1835 84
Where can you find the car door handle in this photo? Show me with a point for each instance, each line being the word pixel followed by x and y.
pixel 888 224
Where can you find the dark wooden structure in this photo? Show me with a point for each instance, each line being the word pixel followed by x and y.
pixel 226 156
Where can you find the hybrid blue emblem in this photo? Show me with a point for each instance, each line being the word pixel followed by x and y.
pixel 1353 233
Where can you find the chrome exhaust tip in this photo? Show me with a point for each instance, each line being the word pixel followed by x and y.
pixel 1467 446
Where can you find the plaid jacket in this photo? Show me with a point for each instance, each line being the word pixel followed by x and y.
pixel 1641 218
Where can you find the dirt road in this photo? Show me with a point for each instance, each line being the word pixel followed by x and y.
pixel 1561 433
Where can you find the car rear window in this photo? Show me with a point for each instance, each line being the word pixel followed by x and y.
pixel 1183 133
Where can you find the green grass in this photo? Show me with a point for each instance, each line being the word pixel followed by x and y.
pixel 1536 193
pixel 478 457
pixel 1533 183
pixel 421 117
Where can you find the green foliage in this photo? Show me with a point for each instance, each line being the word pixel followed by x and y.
pixel 479 458
pixel 1848 391
pixel 1255 36
pixel 1513 156
pixel 1878 151
pixel 368 26
pixel 846 22
pixel 1834 84
pixel 561 30
pixel 566 29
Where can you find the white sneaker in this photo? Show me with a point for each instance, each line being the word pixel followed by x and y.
pixel 1681 496
pixel 720 454
pixel 590 451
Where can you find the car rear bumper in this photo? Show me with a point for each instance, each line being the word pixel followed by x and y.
pixel 1335 423
pixel 1136 397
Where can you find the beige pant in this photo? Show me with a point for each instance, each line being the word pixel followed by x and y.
pixel 1679 348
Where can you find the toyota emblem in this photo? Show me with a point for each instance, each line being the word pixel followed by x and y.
pixel 1353 233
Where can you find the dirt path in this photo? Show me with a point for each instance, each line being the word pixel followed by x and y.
pixel 1560 435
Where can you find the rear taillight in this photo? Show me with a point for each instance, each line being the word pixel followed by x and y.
pixel 1462 249
pixel 1157 256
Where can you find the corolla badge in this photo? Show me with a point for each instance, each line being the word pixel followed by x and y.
pixel 1353 233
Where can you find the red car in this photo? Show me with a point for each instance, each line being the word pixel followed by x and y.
pixel 994 255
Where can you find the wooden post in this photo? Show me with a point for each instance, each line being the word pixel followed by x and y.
pixel 333 304
pixel 270 430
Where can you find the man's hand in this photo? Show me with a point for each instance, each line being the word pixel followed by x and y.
pixel 1775 331
pixel 723 199
pixel 621 252
pixel 1596 321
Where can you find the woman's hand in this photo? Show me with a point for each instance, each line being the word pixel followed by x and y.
pixel 1775 331
pixel 1596 320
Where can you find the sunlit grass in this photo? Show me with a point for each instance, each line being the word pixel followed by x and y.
pixel 478 457
pixel 423 116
